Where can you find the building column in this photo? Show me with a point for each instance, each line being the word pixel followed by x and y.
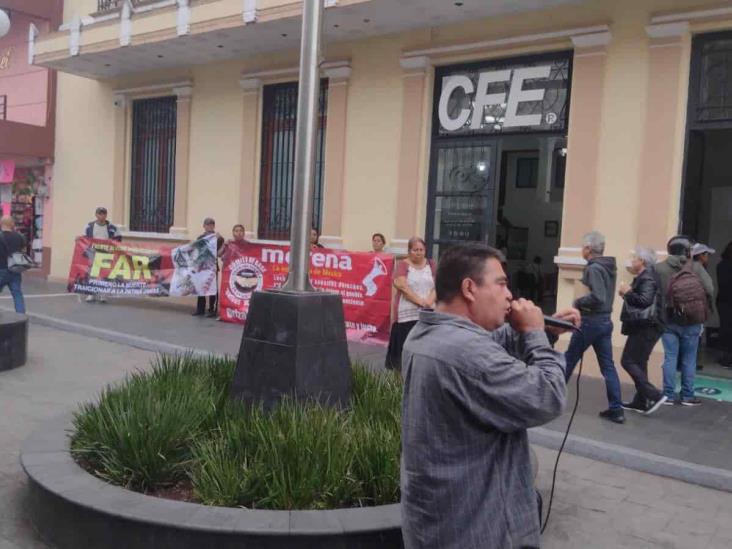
pixel 251 92
pixel 182 157
pixel 665 116
pixel 583 153
pixel 118 209
pixel 414 85
pixel 335 156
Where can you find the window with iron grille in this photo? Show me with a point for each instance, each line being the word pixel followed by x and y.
pixel 279 121
pixel 152 194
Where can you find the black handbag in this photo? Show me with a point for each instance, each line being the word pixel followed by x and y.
pixel 18 262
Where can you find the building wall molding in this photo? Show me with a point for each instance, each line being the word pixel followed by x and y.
pixel 415 63
pixel 520 40
pixel 286 72
pixel 592 40
pixel 695 15
pixel 151 88
pixel 250 84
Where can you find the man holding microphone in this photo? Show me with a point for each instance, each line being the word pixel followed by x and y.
pixel 473 385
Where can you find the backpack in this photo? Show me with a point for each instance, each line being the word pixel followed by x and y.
pixel 686 298
pixel 18 262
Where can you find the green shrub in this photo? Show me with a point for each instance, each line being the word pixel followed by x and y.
pixel 176 422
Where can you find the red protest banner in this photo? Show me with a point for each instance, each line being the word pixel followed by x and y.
pixel 363 281
pixel 115 268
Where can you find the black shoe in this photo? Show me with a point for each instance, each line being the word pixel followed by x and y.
pixel 653 406
pixel 199 313
pixel 635 406
pixel 693 401
pixel 616 416
pixel 212 314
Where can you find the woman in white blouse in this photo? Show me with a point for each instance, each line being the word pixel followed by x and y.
pixel 414 279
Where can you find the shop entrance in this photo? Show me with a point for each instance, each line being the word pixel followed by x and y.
pixel 706 209
pixel 497 164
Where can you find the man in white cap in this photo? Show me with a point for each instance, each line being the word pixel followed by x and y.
pixel 701 252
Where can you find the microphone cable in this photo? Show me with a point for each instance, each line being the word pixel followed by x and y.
pixel 564 440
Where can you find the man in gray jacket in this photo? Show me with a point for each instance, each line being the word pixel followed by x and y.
pixel 680 339
pixel 472 386
pixel 599 276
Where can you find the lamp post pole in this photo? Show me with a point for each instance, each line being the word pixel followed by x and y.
pixel 305 143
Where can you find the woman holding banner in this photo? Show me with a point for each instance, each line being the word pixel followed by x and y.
pixel 414 279
pixel 238 233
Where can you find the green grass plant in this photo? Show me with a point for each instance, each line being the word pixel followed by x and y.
pixel 176 424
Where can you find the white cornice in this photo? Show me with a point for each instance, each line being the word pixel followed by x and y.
pixel 416 62
pixel 292 71
pixel 510 41
pixel 169 86
pixel 712 13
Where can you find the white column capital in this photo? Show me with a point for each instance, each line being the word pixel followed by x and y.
pixel 667 30
pixel 416 63
pixel 594 40
pixel 342 72
pixel 119 100
pixel 183 92
pixel 250 84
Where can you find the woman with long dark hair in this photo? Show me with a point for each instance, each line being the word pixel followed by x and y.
pixel 724 305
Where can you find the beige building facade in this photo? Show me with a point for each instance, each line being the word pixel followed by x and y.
pixel 472 120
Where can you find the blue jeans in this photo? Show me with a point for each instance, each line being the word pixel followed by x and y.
pixel 680 342
pixel 13 281
pixel 596 331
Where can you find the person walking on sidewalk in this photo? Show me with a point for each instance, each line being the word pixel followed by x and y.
pixel 209 228
pixel 473 385
pixel 640 323
pixel 11 242
pixel 685 291
pixel 599 277
pixel 101 229
pixel 724 305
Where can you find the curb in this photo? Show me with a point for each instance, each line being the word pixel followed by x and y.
pixel 645 462
pixel 112 336
pixel 74 509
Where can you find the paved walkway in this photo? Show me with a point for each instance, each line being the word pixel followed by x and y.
pixel 677 441
pixel 596 505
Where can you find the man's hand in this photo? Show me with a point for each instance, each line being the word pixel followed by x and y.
pixel 570 315
pixel 624 289
pixel 526 317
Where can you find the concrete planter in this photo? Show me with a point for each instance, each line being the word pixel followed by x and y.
pixel 74 509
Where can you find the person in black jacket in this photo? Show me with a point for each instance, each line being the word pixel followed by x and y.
pixel 724 305
pixel 641 324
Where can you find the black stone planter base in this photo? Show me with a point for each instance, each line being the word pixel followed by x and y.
pixel 13 340
pixel 75 510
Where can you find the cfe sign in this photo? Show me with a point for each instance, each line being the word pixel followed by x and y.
pixel 514 96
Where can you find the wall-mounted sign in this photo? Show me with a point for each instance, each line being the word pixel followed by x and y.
pixel 501 96
pixel 7 171
pixel 5 59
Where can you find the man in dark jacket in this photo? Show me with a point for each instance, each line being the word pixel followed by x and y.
pixel 101 229
pixel 680 339
pixel 641 325
pixel 599 276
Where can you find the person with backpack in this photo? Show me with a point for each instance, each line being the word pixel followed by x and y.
pixel 685 295
pixel 11 242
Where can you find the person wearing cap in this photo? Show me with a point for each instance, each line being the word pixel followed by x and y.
pixel 680 338
pixel 701 253
pixel 209 228
pixel 101 229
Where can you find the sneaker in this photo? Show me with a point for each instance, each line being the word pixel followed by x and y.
pixel 89 298
pixel 199 313
pixel 616 416
pixel 669 401
pixel 693 401
pixel 635 407
pixel 212 314
pixel 653 406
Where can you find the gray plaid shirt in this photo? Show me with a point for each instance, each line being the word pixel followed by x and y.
pixel 469 396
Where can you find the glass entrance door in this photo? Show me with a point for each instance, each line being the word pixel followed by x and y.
pixel 462 194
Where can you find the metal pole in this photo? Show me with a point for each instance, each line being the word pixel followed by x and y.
pixel 305 144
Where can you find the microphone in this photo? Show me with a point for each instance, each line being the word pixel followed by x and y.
pixel 556 323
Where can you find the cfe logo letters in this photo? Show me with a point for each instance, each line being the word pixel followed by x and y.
pixel 133 267
pixel 516 94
